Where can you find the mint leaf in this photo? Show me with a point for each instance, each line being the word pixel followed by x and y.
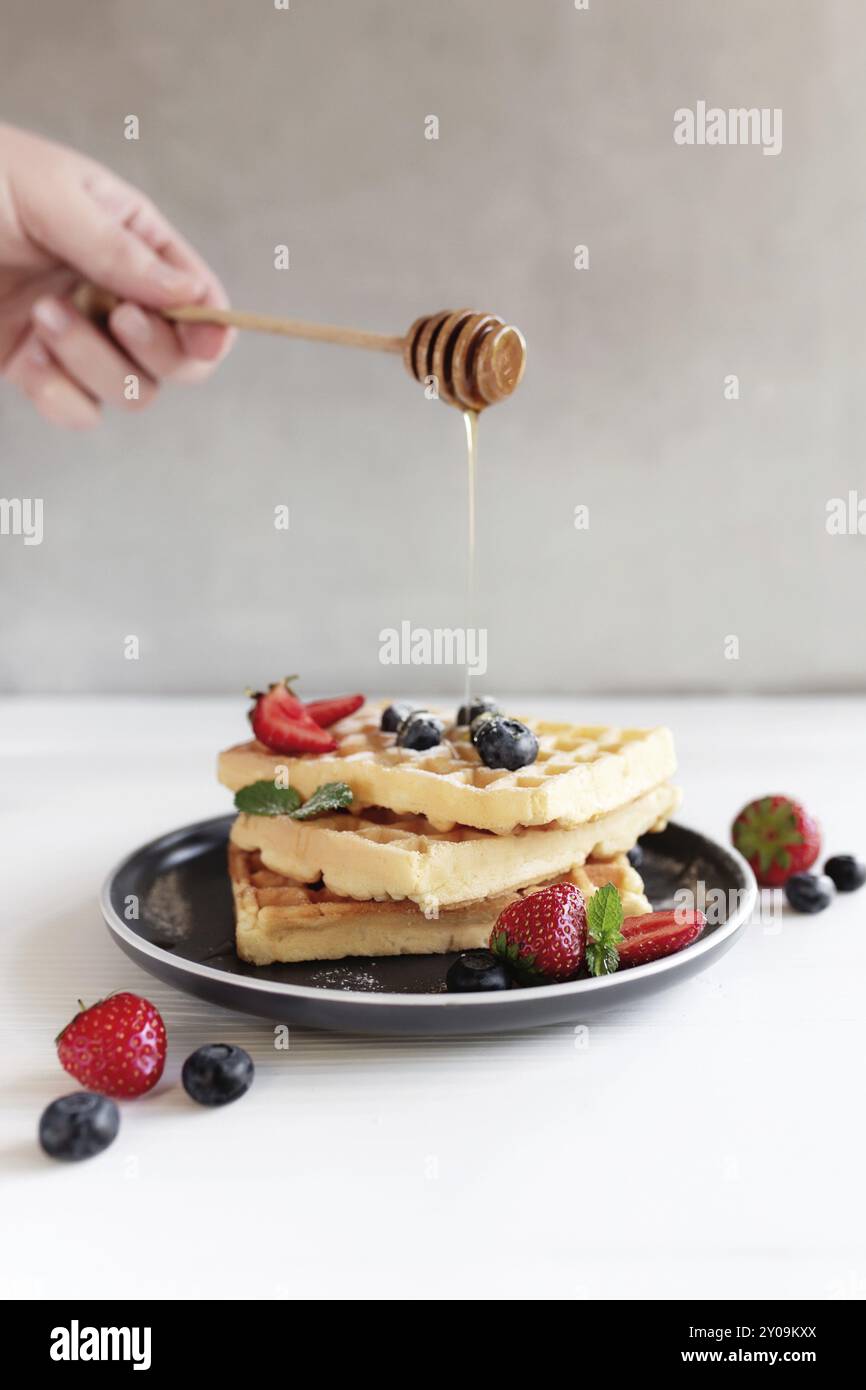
pixel 333 796
pixel 604 918
pixel 265 799
pixel 604 914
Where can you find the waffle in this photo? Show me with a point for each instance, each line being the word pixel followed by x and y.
pixel 581 771
pixel 281 919
pixel 382 855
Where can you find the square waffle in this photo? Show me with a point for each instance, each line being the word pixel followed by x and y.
pixel 281 919
pixel 381 855
pixel 581 771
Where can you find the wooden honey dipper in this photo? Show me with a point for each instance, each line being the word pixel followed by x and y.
pixel 476 359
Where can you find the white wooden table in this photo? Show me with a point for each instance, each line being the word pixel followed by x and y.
pixel 708 1142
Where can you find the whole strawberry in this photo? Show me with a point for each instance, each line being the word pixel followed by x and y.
pixel 116 1047
pixel 778 837
pixel 542 937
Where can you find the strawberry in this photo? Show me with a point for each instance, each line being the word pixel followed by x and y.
pixel 778 837
pixel 658 934
pixel 328 712
pixel 281 722
pixel 116 1047
pixel 542 936
pixel 283 735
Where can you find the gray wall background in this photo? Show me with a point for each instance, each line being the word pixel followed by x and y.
pixel 707 516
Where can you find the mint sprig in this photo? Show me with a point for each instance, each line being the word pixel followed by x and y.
pixel 604 919
pixel 333 796
pixel 265 799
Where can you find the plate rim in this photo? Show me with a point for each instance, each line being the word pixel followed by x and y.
pixel 501 999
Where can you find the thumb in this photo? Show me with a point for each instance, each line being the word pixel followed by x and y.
pixel 95 234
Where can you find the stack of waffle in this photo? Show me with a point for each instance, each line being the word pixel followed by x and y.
pixel 435 845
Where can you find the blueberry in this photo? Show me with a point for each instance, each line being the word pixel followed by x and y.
pixel 482 704
pixel 475 972
pixel 635 856
pixel 478 722
pixel 217 1073
pixel 420 730
pixel 393 717
pixel 847 872
pixel 78 1126
pixel 505 743
pixel 809 892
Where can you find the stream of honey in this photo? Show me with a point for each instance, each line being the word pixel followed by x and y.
pixel 470 420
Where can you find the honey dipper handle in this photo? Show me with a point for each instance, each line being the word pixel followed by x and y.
pixel 289 328
pixel 97 303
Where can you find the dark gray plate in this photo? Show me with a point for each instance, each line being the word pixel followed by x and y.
pixel 184 934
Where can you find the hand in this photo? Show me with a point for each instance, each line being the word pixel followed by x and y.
pixel 64 219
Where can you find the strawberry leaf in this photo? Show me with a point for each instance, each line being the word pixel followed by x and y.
pixel 604 918
pixel 520 967
pixel 765 833
pixel 265 799
pixel 507 951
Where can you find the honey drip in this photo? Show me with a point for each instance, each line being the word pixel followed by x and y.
pixel 470 420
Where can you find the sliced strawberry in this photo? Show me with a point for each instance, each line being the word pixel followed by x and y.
pixel 327 712
pixel 283 735
pixel 282 724
pixel 658 934
pixel 289 704
pixel 282 696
